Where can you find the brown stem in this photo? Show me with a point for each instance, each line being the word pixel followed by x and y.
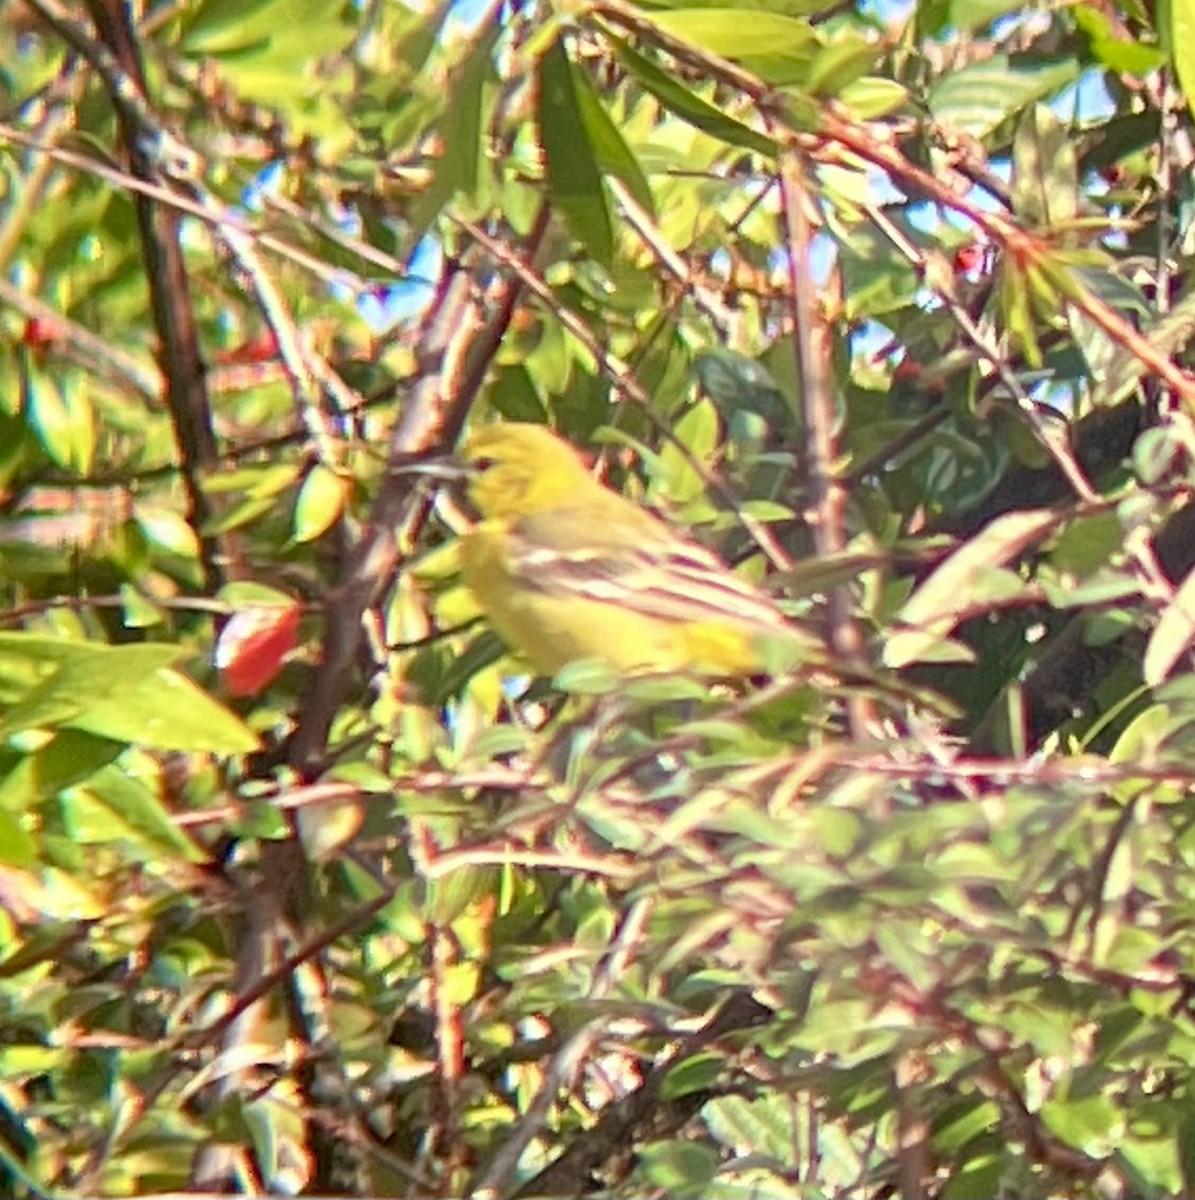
pixel 166 272
pixel 811 347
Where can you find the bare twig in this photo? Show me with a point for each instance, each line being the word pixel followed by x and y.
pixel 116 60
pixel 217 217
pixel 91 351
pixel 811 347
pixel 650 235
pixel 1058 449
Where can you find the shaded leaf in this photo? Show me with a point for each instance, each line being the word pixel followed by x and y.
pixel 1045 176
pixel 574 180
pixel 610 149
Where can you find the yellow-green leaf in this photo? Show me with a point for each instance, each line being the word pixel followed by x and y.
pixel 320 502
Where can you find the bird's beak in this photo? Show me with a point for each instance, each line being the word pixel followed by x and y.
pixel 444 468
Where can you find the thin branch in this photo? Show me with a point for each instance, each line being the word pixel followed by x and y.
pixel 432 401
pixel 811 348
pixel 116 59
pixel 218 218
pixel 88 349
pixel 651 236
pixel 1057 447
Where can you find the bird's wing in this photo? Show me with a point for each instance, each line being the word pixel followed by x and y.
pixel 657 574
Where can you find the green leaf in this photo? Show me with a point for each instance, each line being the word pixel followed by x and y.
pixel 966 1120
pixel 1087 543
pixel 166 711
pixel 462 133
pixel 1174 632
pixel 681 1169
pixel 1182 42
pixel 726 32
pixel 68 758
pixel 695 442
pixel 787 8
pixel 514 395
pixel 168 530
pixel 609 146
pixel 587 677
pixel 17 847
pixel 688 106
pixel 979 97
pixel 262 487
pixel 261 819
pixel 694 1074
pixel 244 593
pixel 976 1179
pixel 1093 1124
pixel 255 505
pixel 125 693
pixel 735 382
pixel 840 63
pixel 1119 54
pixel 143 813
pixel 967 15
pixel 264 30
pixel 873 96
pixel 763 1123
pixel 213 23
pixel 48 683
pixel 263 482
pixel 1015 298
pixel 574 180
pixel 137 611
pixel 60 414
pixel 320 502
pixel 1045 177
pixel 1156 453
pixel 968 576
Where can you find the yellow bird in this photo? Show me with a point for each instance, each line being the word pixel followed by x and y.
pixel 566 569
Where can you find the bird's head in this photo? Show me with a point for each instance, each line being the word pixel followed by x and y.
pixel 519 469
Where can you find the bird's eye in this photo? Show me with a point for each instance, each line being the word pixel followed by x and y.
pixel 483 464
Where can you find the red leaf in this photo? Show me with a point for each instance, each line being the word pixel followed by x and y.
pixel 262 347
pixel 970 258
pixel 41 333
pixel 253 646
